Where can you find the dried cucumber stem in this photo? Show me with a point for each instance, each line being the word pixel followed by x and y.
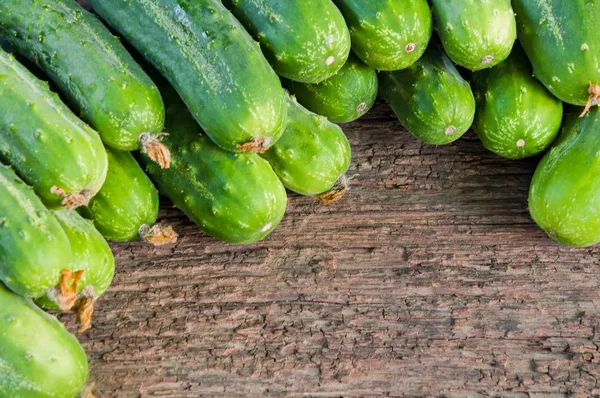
pixel 256 145
pixel 335 193
pixel 158 235
pixel 84 311
pixel 594 98
pixel 65 294
pixel 151 145
pixel 72 200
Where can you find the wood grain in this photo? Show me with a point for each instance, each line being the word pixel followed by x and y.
pixel 427 279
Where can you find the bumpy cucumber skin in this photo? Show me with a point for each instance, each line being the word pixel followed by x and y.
pixel 516 116
pixel 344 97
pixel 564 198
pixel 562 41
pixel 388 34
pixel 91 67
pixel 237 198
pixel 127 201
pixel 91 254
pixel 34 249
pixel 301 44
pixel 430 98
pixel 312 154
pixel 43 140
pixel 216 67
pixel 39 358
pixel 476 34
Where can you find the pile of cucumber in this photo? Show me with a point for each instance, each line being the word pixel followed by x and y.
pixel 222 105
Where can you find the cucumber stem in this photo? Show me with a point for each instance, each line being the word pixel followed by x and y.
pixel 256 145
pixel 158 235
pixel 335 193
pixel 72 200
pixel 151 145
pixel 594 98
pixel 84 310
pixel 66 294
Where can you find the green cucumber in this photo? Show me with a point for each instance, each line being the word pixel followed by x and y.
pixel 476 34
pixel 562 41
pixel 516 116
pixel 124 214
pixel 235 197
pixel 342 98
pixel 39 358
pixel 430 98
pixel 301 44
pixel 90 66
pixel 213 63
pixel 48 146
pixel 312 156
pixel 564 198
pixel 388 34
pixel 94 261
pixel 34 249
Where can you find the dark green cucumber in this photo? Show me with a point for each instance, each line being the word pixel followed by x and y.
pixel 92 258
pixel 301 44
pixel 312 156
pixel 124 214
pixel 564 198
pixel 516 116
pixel 237 198
pixel 39 358
pixel 562 41
pixel 34 249
pixel 430 98
pixel 342 98
pixel 49 147
pixel 90 66
pixel 476 34
pixel 388 34
pixel 213 63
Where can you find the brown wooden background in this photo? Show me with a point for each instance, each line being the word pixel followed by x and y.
pixel 427 279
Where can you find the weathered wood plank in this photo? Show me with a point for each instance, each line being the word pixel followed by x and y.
pixel 427 279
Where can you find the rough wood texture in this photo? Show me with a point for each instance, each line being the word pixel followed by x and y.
pixel 427 279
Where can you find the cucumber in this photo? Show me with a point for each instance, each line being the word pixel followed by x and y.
pixel 49 147
pixel 564 198
pixel 39 358
pixel 476 34
pixel 516 116
pixel 235 197
pixel 343 98
pixel 386 34
pixel 213 63
pixel 430 98
pixel 94 264
pixel 312 155
pixel 91 68
pixel 124 214
pixel 34 249
pixel 301 44
pixel 562 42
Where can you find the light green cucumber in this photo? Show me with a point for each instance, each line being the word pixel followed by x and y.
pixel 476 34
pixel 301 44
pixel 213 63
pixel 127 205
pixel 39 358
pixel 92 258
pixel 344 97
pixel 516 116
pixel 49 147
pixel 90 66
pixel 388 34
pixel 237 198
pixel 312 156
pixel 430 98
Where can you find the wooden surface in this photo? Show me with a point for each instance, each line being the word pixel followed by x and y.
pixel 427 279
